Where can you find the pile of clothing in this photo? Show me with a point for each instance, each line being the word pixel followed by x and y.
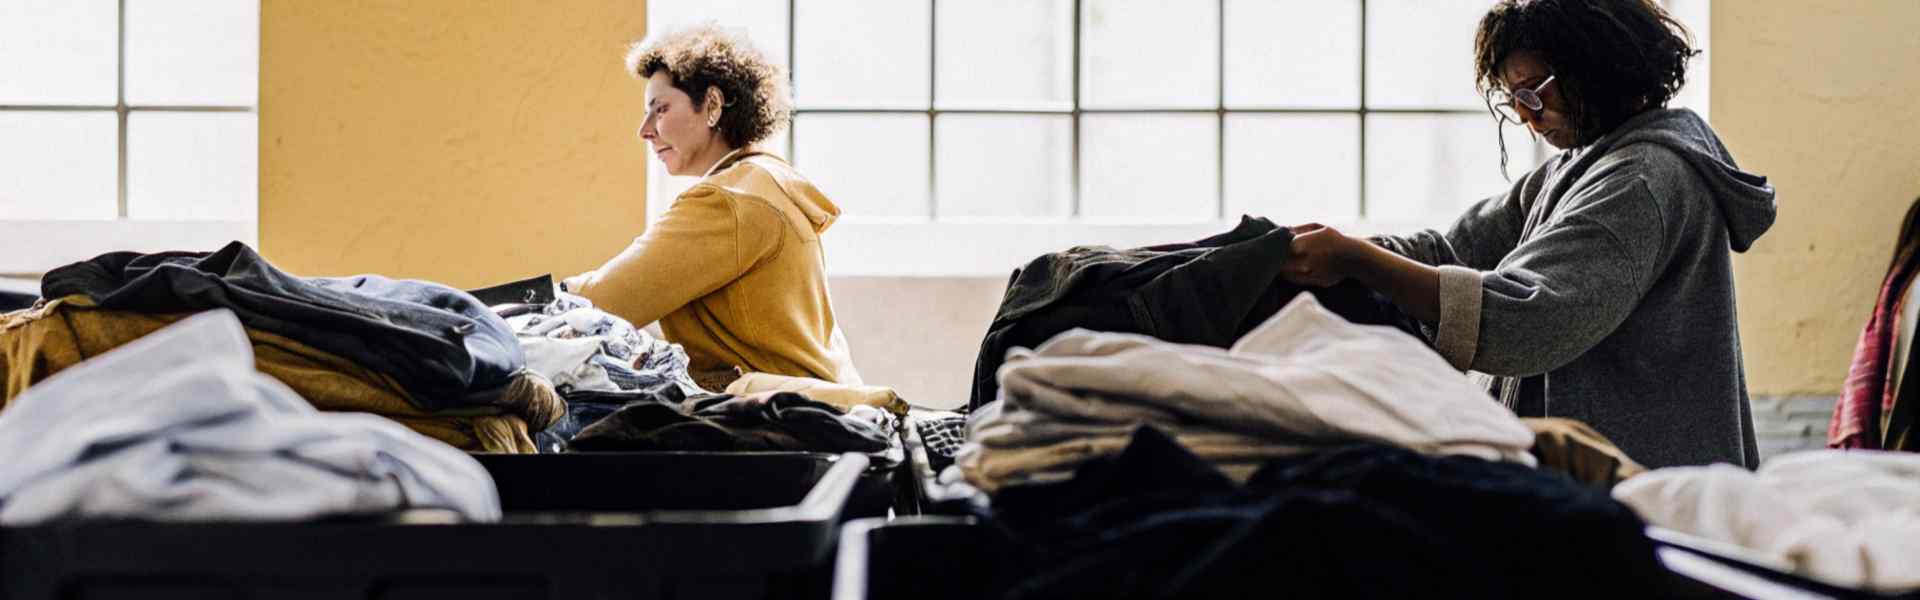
pixel 1209 292
pixel 1848 518
pixel 664 418
pixel 178 426
pixel 768 421
pixel 843 396
pixel 627 390
pixel 430 357
pixel 1187 424
pixel 596 361
pixel 1304 380
pixel 582 348
pixel 1354 520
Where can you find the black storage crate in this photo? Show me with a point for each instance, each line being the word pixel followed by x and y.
pixel 946 557
pixel 923 558
pixel 643 525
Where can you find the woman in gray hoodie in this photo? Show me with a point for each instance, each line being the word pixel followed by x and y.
pixel 1599 287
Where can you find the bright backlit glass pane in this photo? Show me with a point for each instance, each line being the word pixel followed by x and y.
pixel 872 165
pixel 862 54
pixel 1150 54
pixel 1004 165
pixel 1149 167
pixel 193 166
pixel 62 52
pixel 199 53
pixel 1293 54
pixel 1293 168
pixel 59 165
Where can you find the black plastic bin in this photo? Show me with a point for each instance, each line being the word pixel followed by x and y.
pixel 658 525
pixel 923 558
pixel 953 558
pixel 618 481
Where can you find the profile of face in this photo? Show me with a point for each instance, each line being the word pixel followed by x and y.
pixel 679 131
pixel 1553 121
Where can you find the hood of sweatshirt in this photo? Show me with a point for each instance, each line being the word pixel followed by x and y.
pixel 819 210
pixel 1745 199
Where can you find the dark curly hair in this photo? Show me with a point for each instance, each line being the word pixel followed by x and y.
pixel 707 56
pixel 1611 58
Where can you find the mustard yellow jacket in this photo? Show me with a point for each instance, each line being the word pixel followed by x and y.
pixel 734 272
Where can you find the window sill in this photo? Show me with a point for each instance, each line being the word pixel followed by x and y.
pixel 39 246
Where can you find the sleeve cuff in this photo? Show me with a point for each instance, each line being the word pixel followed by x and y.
pixel 1459 337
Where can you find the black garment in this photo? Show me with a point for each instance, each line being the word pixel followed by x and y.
pixel 445 348
pixel 782 421
pixel 1355 521
pixel 1896 428
pixel 1208 292
pixel 588 407
pixel 16 294
pixel 1898 431
pixel 11 301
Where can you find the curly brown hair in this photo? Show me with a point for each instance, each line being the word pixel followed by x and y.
pixel 701 57
pixel 1611 58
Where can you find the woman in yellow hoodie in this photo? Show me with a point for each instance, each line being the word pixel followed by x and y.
pixel 733 270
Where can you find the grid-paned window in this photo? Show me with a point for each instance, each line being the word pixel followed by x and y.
pixel 126 124
pixel 1124 121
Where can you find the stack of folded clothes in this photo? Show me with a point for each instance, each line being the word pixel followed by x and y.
pixel 426 355
pixel 754 422
pixel 1306 379
pixel 178 426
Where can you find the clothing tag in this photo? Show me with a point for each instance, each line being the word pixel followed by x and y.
pixel 533 290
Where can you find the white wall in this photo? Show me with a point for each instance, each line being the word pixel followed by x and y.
pixel 918 335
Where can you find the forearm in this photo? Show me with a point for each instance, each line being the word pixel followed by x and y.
pixel 1412 285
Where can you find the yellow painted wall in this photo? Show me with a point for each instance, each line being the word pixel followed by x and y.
pixel 460 141
pixel 1823 98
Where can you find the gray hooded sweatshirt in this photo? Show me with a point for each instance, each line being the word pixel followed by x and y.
pixel 1600 288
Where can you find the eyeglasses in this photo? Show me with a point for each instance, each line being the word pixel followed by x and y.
pixel 1502 102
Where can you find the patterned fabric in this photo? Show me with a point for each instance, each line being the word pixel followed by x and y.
pixel 627 358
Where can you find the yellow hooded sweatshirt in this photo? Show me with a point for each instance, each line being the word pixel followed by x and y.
pixel 734 272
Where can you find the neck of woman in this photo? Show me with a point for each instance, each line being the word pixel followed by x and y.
pixel 713 163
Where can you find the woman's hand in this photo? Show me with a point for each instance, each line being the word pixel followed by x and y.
pixel 1321 256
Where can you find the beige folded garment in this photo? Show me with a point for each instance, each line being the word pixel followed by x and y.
pixel 1574 449
pixel 991 469
pixel 35 344
pixel 839 395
